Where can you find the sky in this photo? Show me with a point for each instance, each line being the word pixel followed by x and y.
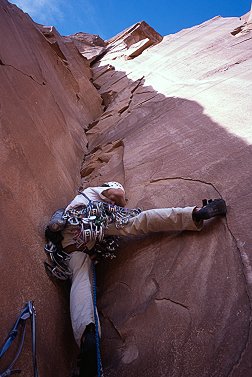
pixel 109 17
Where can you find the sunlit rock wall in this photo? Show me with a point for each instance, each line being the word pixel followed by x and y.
pixel 178 117
pixel 175 129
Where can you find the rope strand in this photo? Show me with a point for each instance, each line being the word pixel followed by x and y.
pixel 97 338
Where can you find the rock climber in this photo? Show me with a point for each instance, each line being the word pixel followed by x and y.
pixel 134 223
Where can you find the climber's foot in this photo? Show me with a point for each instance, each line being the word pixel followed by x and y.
pixel 211 208
pixel 88 361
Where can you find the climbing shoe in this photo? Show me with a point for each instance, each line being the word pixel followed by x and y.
pixel 211 208
pixel 87 359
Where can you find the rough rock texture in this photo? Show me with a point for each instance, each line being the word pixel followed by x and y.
pixel 246 27
pixel 89 45
pixel 179 305
pixel 133 41
pixel 175 129
pixel 46 101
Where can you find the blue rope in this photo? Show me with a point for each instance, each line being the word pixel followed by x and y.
pixel 28 312
pixel 97 338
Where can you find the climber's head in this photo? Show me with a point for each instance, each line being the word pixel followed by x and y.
pixel 114 194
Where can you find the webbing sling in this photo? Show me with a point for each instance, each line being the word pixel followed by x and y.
pixel 85 196
pixel 28 312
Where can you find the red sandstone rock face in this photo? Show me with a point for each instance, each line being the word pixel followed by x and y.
pixel 175 129
pixel 179 305
pixel 89 45
pixel 47 100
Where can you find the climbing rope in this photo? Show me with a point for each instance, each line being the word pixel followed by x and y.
pixel 28 312
pixel 97 338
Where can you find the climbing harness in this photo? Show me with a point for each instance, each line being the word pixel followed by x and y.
pixel 28 312
pixel 97 337
pixel 92 219
pixel 89 223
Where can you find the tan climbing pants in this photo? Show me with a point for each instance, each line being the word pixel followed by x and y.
pixel 154 220
pixel 157 220
pixel 81 295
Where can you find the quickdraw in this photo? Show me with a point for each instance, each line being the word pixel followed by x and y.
pixel 28 312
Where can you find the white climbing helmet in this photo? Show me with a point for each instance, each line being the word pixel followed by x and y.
pixel 115 185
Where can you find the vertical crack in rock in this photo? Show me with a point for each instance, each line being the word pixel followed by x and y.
pixel 139 82
pixel 244 271
pixel 99 157
pixel 240 259
pixel 243 264
pixel 123 165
